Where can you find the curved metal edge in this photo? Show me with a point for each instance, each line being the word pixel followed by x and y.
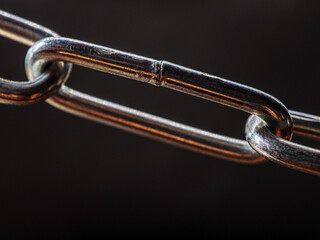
pixel 27 32
pixel 22 30
pixel 145 124
pixel 46 84
pixel 162 73
pixel 281 151
pixel 158 73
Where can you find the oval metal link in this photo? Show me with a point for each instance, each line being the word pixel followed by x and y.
pixel 159 73
pixel 27 32
pixel 281 151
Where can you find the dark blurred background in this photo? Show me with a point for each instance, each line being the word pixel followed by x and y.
pixel 61 175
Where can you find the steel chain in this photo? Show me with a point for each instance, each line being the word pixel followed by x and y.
pixel 48 65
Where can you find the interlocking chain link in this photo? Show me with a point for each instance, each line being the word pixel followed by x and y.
pixel 159 73
pixel 48 82
pixel 282 151
pixel 48 65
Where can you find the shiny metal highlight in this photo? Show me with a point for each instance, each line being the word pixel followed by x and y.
pixel 158 73
pixel 48 64
pixel 281 151
pixel 27 32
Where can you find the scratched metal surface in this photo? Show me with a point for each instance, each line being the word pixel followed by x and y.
pixel 62 175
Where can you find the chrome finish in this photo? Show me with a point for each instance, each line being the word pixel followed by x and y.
pixel 48 64
pixel 158 73
pixel 26 32
pixel 22 30
pixel 287 153
pixel 142 123
pixel 306 124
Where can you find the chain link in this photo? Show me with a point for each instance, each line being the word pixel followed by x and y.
pixel 26 32
pixel 48 65
pixel 282 151
pixel 159 73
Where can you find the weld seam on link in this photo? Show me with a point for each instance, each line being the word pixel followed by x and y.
pixel 48 67
pixel 159 73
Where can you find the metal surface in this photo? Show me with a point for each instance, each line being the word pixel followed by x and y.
pixel 48 64
pixel 159 73
pixel 306 124
pixel 26 32
pixel 281 151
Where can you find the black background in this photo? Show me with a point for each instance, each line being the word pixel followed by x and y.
pixel 61 175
